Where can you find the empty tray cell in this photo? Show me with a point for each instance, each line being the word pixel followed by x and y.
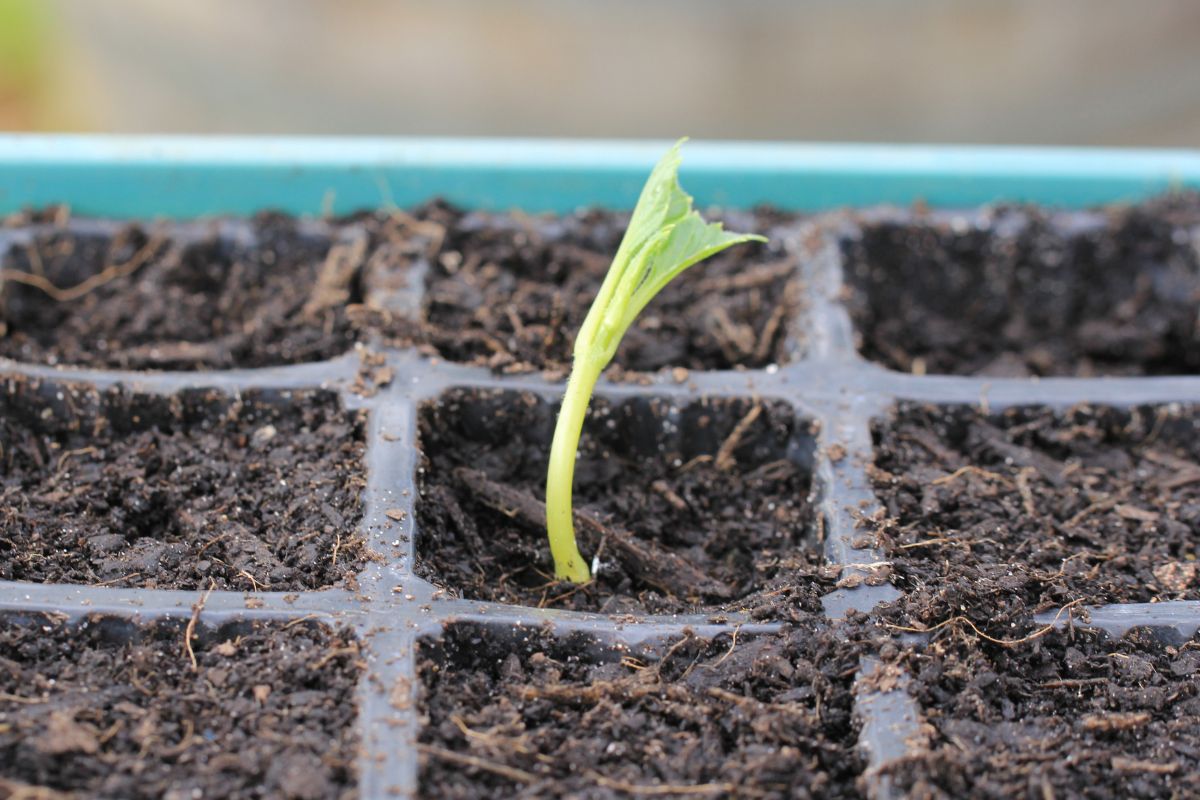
pixel 1068 715
pixel 250 294
pixel 186 491
pixel 687 506
pixel 1039 508
pixel 511 712
pixel 104 708
pixel 510 291
pixel 1015 293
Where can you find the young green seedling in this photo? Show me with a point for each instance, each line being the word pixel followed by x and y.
pixel 665 237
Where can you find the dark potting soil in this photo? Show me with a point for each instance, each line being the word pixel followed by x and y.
pixel 1018 295
pixel 1067 715
pixel 180 492
pixel 522 714
pixel 138 299
pixel 505 290
pixel 511 290
pixel 1033 509
pixel 106 709
pixel 687 507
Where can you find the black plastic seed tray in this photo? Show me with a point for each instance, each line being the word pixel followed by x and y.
pixel 825 381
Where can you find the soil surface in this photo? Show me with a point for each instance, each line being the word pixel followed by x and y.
pixel 538 717
pixel 511 290
pixel 1033 509
pixel 1067 715
pixel 105 709
pixel 179 492
pixel 1014 293
pixel 241 294
pixel 504 290
pixel 686 508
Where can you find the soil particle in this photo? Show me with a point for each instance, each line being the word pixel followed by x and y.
pixel 1034 509
pixel 106 709
pixel 186 491
pixel 527 715
pixel 1016 293
pixel 1067 715
pixel 673 531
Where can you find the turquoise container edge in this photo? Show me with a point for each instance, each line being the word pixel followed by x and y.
pixel 185 177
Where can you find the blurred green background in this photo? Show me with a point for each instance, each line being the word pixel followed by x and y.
pixel 1108 72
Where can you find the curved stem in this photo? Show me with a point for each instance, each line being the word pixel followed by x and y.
pixel 568 563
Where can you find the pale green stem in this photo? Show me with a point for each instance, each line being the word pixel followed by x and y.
pixel 560 478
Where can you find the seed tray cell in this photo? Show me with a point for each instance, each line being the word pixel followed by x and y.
pixel 1015 292
pixel 101 706
pixel 687 506
pixel 1047 505
pixel 1077 709
pixel 189 490
pixel 521 710
pixel 819 401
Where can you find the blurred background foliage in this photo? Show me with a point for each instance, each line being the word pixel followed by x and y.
pixel 1024 71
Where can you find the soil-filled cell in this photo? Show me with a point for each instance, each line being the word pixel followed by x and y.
pixel 1067 715
pixel 198 489
pixel 256 293
pixel 685 507
pixel 1015 293
pixel 1034 508
pixel 511 290
pixel 522 714
pixel 103 708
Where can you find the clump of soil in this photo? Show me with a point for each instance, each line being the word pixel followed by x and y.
pixel 106 709
pixel 685 507
pixel 180 492
pixel 1033 508
pixel 1066 715
pixel 139 299
pixel 510 291
pixel 1020 294
pixel 529 715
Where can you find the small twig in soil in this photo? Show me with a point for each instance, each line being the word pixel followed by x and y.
pixel 666 789
pixel 1102 505
pixel 765 339
pixel 184 742
pixel 663 488
pixel 512 773
pixel 1069 682
pixel 63 458
pixel 190 630
pixel 349 650
pixel 337 543
pixel 728 653
pixel 1040 632
pixel 724 458
pixel 1026 491
pixel 1123 764
pixel 5 697
pixel 971 470
pixel 213 541
pixel 111 581
pixel 106 275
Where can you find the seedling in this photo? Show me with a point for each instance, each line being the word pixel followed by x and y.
pixel 665 237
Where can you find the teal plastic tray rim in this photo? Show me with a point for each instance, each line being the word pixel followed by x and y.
pixel 189 176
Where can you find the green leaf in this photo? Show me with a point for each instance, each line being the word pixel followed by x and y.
pixel 665 236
